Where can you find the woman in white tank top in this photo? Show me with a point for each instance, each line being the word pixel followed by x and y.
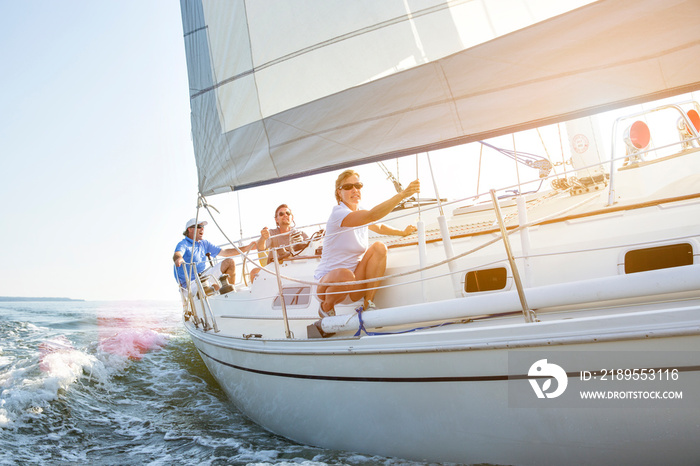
pixel 346 254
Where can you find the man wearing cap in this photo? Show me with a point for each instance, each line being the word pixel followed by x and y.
pixel 190 250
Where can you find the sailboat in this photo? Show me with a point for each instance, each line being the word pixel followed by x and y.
pixel 530 326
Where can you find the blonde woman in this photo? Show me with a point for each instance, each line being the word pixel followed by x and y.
pixel 346 254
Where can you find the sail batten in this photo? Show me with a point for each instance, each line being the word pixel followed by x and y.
pixel 329 101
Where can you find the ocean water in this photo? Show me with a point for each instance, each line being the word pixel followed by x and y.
pixel 105 383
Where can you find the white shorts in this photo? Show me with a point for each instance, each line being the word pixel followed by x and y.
pixel 214 271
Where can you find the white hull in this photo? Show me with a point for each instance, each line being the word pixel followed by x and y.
pixel 443 395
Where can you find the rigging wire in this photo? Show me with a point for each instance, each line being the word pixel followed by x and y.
pixel 561 147
pixel 240 214
pixel 394 180
pixel 544 147
pixel 435 186
pixel 517 168
pixel 478 177
pixel 526 158
pixel 417 196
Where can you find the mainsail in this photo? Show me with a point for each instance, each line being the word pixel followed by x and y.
pixel 282 89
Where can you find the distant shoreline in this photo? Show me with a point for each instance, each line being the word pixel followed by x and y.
pixel 17 298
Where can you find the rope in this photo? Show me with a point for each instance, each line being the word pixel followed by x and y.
pixel 244 255
pixel 361 327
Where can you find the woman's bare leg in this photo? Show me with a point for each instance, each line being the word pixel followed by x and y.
pixel 329 294
pixel 372 265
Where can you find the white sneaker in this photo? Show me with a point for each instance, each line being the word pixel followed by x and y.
pixel 322 313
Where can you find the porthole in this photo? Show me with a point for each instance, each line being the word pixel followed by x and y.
pixel 486 280
pixel 660 257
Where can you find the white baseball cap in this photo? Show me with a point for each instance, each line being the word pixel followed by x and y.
pixel 192 222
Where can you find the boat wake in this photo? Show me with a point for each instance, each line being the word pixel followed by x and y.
pixel 31 381
pixel 133 344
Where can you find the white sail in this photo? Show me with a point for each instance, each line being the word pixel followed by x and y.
pixel 281 89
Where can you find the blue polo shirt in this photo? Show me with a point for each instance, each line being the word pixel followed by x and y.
pixel 201 248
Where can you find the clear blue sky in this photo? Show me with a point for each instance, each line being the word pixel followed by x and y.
pixel 97 174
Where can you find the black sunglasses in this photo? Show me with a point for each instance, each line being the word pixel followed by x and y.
pixel 280 214
pixel 349 186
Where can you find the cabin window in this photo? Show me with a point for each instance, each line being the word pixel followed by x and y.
pixel 294 296
pixel 661 257
pixel 486 280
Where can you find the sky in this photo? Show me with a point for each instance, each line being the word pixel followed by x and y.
pixel 98 174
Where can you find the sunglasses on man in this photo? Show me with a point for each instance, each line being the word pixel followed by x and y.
pixel 349 186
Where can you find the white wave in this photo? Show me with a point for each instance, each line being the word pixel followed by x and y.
pixel 4 361
pixel 27 386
